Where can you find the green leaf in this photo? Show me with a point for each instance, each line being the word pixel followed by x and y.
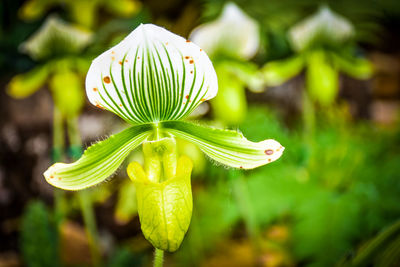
pixel 165 209
pixel 99 161
pixel 23 85
pixel 228 147
pixel 277 72
pixel 152 75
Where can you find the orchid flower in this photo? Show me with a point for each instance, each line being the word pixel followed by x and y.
pixel 322 43
pixel 153 80
pixel 231 40
pixel 56 46
pixel 234 34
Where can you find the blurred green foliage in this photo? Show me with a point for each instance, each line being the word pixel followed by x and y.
pixel 334 190
pixel 39 239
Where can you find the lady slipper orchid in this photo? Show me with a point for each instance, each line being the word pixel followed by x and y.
pixel 231 40
pixel 154 79
pixel 233 34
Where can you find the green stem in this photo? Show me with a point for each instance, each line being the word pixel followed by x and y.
pixel 90 226
pixel 243 200
pixel 56 155
pixel 158 257
pixel 84 196
pixel 308 115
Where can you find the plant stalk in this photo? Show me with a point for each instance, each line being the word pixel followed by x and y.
pixel 89 219
pixel 158 257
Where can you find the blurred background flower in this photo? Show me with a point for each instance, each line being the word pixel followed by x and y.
pixel 324 80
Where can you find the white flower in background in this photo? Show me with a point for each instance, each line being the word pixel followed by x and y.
pixel 323 27
pixel 54 37
pixel 234 33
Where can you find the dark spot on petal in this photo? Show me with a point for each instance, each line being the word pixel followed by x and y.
pixel 187 57
pixel 269 160
pixel 120 62
pixel 107 79
pixel 201 49
pixel 187 41
pixel 187 96
pixel 241 167
pixel 269 152
pixel 191 72
pixel 191 61
pixel 95 89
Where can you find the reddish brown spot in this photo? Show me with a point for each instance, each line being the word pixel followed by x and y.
pixel 187 96
pixel 241 167
pixel 191 61
pixel 187 41
pixel 187 57
pixel 120 62
pixel 269 160
pixel 107 79
pixel 51 176
pixel 269 152
pixel 201 49
pixel 95 89
pixel 191 72
pixel 138 57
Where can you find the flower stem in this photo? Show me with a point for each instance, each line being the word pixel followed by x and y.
pixel 90 226
pixel 56 155
pixel 84 196
pixel 158 257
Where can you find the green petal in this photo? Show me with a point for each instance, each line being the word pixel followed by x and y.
pixel 358 68
pixel 98 162
pixel 228 147
pixel 23 85
pixel 277 72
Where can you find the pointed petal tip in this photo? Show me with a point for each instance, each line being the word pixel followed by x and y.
pixel 272 149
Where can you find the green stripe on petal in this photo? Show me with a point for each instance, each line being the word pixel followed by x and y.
pixel 99 161
pixel 152 75
pixel 227 147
